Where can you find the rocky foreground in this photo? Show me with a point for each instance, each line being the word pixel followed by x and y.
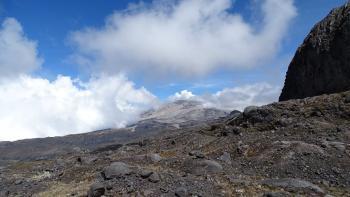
pixel 296 147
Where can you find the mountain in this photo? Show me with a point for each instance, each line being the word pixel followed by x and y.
pixel 321 64
pixel 292 148
pixel 183 112
pixel 179 114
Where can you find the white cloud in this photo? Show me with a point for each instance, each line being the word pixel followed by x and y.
pixel 188 37
pixel 236 98
pixel 184 94
pixel 35 107
pixel 18 53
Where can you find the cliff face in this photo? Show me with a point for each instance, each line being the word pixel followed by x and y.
pixel 321 65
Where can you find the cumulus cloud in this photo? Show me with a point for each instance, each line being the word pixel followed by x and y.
pixel 184 94
pixel 18 53
pixel 35 107
pixel 189 37
pixel 236 98
pixel 185 37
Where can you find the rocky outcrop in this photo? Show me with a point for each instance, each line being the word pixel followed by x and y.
pixel 321 65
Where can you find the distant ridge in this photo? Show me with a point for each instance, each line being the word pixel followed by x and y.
pixel 180 114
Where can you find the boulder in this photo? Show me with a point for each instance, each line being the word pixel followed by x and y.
pixel 197 154
pixel 226 157
pixel 181 192
pixel 293 185
pixel 202 167
pixel 145 173
pixel 155 157
pixel 154 178
pixel 116 170
pixel 250 109
pixel 96 190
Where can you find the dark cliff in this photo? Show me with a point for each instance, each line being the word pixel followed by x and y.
pixel 321 64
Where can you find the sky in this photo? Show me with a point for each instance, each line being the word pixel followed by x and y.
pixel 76 66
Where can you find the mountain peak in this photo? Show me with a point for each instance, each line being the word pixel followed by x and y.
pixel 182 111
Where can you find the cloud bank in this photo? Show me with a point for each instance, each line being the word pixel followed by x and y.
pixel 236 98
pixel 188 37
pixel 18 54
pixel 36 107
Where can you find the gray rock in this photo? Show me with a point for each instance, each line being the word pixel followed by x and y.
pixel 293 185
pixel 96 190
pixel 181 192
pixel 337 145
pixel 145 173
pixel 202 167
pixel 234 115
pixel 197 154
pixel 116 170
pixel 18 182
pixel 155 157
pixel 248 110
pixel 154 178
pixel 226 157
pixel 89 159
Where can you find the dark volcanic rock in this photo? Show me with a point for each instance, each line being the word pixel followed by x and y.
pixel 321 65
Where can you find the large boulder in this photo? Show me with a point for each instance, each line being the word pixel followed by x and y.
pixel 293 185
pixel 96 190
pixel 116 170
pixel 202 166
pixel 321 65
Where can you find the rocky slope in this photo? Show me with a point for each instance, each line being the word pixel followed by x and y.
pixel 321 65
pixel 297 147
pixel 179 114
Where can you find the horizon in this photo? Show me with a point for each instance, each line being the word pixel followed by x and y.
pixel 88 66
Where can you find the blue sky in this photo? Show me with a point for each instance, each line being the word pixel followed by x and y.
pixel 75 66
pixel 50 22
